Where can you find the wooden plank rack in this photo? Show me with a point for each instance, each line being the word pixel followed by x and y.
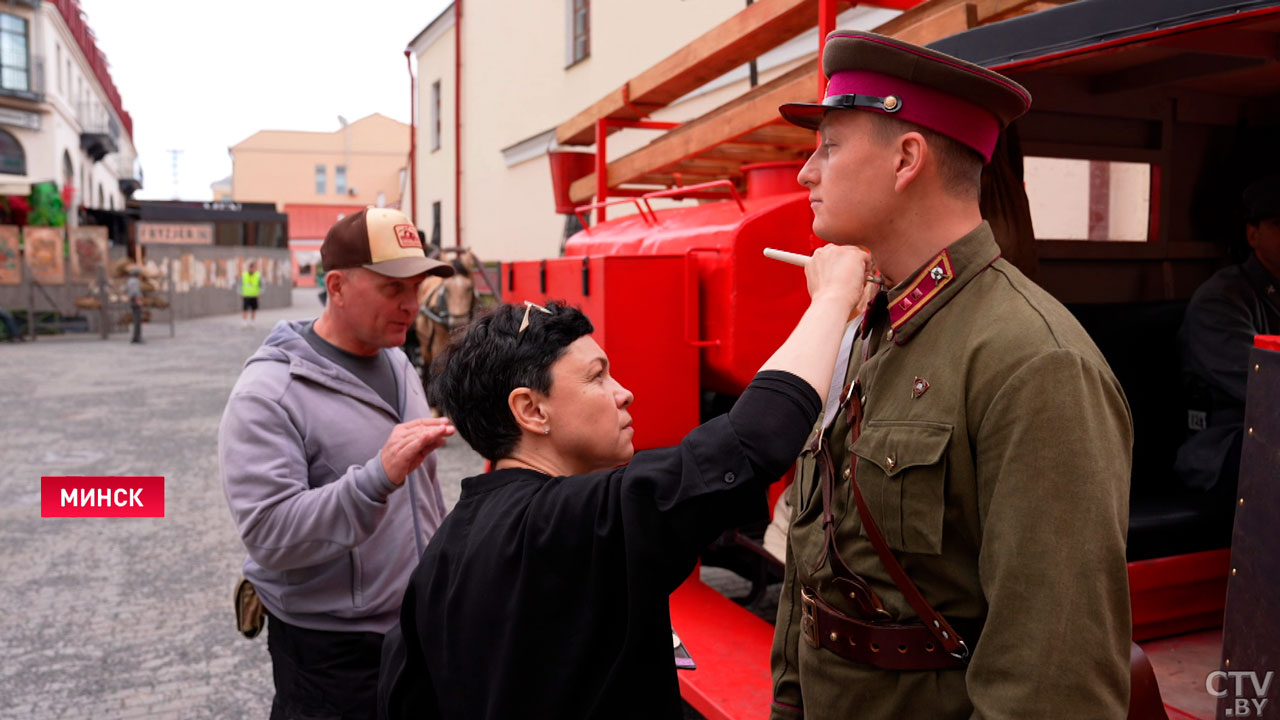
pixel 747 129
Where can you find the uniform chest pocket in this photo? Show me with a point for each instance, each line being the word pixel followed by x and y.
pixel 902 470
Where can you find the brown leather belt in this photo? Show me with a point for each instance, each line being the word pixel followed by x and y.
pixel 888 646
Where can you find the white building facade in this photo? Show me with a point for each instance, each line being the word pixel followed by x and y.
pixel 61 117
pixel 527 67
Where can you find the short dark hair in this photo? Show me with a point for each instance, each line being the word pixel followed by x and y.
pixel 959 165
pixel 477 371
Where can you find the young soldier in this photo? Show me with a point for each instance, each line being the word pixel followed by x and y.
pixel 958 542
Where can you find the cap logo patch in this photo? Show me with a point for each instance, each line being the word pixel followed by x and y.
pixel 407 236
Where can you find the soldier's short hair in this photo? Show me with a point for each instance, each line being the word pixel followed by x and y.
pixel 959 166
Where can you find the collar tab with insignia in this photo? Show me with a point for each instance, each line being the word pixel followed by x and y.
pixel 928 283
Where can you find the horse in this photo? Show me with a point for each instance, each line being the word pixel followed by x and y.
pixel 445 305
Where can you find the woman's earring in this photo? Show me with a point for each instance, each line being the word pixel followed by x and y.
pixel 546 431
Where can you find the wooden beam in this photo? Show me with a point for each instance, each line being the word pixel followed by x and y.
pixel 1016 9
pixel 756 108
pixel 760 27
pixel 748 127
pixel 946 21
pixel 757 153
pixel 704 165
pixel 782 134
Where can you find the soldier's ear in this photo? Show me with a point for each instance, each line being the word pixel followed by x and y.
pixel 911 154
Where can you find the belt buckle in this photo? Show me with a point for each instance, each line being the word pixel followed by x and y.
pixel 808 617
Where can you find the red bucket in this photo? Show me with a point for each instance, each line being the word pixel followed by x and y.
pixel 772 178
pixel 565 168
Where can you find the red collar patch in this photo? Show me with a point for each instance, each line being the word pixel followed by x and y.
pixel 924 288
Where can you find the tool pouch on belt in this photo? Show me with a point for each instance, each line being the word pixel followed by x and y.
pixel 250 614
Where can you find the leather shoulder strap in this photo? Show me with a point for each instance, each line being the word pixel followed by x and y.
pixel 932 619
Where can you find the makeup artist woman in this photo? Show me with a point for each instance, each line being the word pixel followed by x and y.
pixel 544 593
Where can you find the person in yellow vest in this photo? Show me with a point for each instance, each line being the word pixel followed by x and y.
pixel 250 289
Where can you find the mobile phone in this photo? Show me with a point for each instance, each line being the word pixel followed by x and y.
pixel 684 661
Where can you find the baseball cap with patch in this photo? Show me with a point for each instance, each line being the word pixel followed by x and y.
pixel 379 239
pixel 868 71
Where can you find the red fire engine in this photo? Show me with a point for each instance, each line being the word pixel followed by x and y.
pixel 1183 91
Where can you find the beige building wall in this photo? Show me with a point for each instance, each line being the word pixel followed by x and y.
pixel 516 89
pixel 1058 191
pixel 435 160
pixel 280 166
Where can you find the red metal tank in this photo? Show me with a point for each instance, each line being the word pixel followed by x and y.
pixel 748 303
pixel 683 299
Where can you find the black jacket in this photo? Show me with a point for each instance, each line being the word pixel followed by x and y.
pixel 544 597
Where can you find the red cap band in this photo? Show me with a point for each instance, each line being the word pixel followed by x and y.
pixel 944 114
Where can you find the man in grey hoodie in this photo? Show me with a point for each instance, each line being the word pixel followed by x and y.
pixel 325 452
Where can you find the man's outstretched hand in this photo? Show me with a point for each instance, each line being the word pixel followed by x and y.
pixel 410 443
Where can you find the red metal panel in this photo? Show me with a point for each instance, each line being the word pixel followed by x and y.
pixel 635 304
pixel 731 648
pixel 748 303
pixel 1178 594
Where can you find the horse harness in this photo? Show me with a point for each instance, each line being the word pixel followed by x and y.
pixel 436 308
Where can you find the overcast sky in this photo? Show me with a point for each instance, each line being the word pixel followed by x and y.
pixel 201 77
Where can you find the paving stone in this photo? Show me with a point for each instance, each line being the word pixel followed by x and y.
pixel 131 618
pixel 128 619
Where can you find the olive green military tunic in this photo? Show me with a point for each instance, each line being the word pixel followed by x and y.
pixel 995 455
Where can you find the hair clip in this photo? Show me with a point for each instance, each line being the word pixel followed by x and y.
pixel 530 305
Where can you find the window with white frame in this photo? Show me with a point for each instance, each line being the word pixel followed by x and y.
pixel 340 179
pixel 14 59
pixel 578 31
pixel 13 159
pixel 320 180
pixel 435 223
pixel 435 115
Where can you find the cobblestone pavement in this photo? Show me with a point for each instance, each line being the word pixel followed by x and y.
pixel 131 618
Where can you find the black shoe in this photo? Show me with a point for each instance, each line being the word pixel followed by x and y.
pixel 136 341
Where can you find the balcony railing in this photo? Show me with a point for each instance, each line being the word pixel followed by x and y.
pixel 129 170
pixel 80 30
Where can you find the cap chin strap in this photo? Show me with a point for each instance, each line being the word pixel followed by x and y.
pixel 888 103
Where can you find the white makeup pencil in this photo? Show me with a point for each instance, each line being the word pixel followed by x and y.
pixel 803 260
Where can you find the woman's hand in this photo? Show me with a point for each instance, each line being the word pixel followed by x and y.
pixel 838 274
pixel 837 278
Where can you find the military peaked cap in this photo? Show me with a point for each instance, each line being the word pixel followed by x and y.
pixel 877 73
